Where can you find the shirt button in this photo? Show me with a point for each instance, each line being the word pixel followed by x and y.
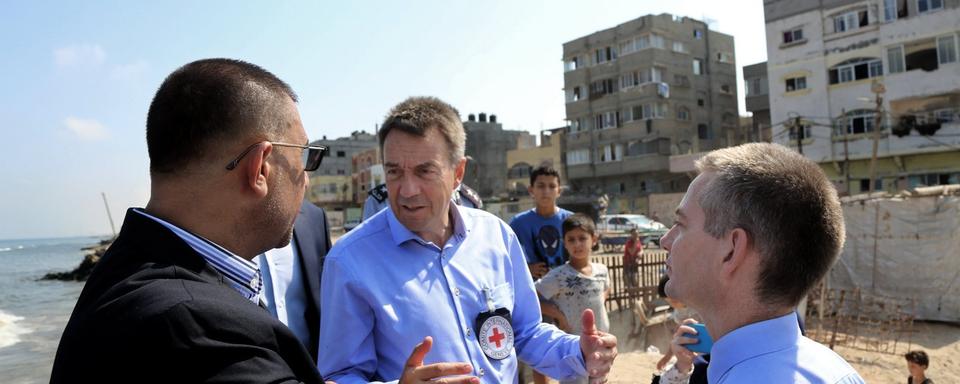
pixel 480 372
pixel 468 331
pixel 456 291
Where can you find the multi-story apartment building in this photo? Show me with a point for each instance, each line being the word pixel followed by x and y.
pixel 848 76
pixel 367 173
pixel 639 92
pixel 758 101
pixel 529 155
pixel 339 161
pixel 487 146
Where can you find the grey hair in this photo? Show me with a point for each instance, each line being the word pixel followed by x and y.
pixel 787 206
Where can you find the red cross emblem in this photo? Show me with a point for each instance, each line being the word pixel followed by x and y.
pixel 497 336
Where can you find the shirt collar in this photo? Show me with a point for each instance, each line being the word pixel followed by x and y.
pixel 750 341
pixel 401 234
pixel 242 275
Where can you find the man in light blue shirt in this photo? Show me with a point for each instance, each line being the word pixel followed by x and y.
pixel 449 283
pixel 758 227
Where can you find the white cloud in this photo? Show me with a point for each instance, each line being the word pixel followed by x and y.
pixel 79 55
pixel 130 71
pixel 85 129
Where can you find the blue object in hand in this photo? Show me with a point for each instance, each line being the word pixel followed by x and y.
pixel 704 342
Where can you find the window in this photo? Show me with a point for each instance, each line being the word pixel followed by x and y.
pixel 700 102
pixel 929 5
pixel 656 74
pixel 603 55
pixel 724 57
pixel 703 132
pixel 894 9
pixel 895 59
pixel 855 69
pixel 804 132
pixel 627 47
pixel 602 87
pixel 946 49
pixel 341 172
pixel 611 152
pixel 607 120
pixel 576 125
pixel 681 81
pixel 579 156
pixel 850 21
pixel 678 46
pixel 697 34
pixel 857 121
pixel 656 41
pixel 683 113
pixel 571 64
pixel 633 79
pixel 793 35
pixel 576 93
pixel 796 83
pixel 341 154
pixel 725 88
pixel 697 67
pixel 865 185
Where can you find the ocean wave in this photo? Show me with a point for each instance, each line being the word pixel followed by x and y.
pixel 10 329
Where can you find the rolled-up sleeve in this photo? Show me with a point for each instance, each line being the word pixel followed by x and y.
pixel 543 346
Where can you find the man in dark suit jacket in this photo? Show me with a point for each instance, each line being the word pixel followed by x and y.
pixel 174 299
pixel 292 276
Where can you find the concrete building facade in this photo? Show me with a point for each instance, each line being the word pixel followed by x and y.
pixel 843 74
pixel 367 173
pixel 339 160
pixel 487 146
pixel 758 101
pixel 639 92
pixel 522 160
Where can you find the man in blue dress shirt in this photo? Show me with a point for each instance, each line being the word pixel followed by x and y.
pixel 449 283
pixel 755 231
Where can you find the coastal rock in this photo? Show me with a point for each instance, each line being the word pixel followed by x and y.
pixel 90 258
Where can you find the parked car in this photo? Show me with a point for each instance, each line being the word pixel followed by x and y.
pixel 619 225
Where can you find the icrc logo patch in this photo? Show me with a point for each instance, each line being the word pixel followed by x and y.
pixel 496 337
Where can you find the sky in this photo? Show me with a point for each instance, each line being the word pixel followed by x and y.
pixel 79 77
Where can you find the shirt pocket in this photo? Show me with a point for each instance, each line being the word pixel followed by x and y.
pixel 502 296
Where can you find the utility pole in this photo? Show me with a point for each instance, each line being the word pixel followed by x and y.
pixel 846 150
pixel 878 89
pixel 109 216
pixel 798 129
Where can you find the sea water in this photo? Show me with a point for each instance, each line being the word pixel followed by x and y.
pixel 33 313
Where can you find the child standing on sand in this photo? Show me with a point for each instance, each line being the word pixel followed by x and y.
pixel 578 284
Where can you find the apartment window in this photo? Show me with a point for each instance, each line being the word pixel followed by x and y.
pixel 804 132
pixel 895 59
pixel 633 79
pixel 946 49
pixel 850 21
pixel 642 42
pixel 679 46
pixel 700 102
pixel 571 64
pixel 656 74
pixel 607 120
pixel 683 113
pixel 341 172
pixel 341 154
pixel 856 69
pixel 697 67
pixel 602 87
pixel 724 57
pixel 656 41
pixel 577 125
pixel 703 132
pixel 793 35
pixel 574 94
pixel 611 152
pixel 627 47
pixel 929 5
pixel 857 121
pixel 603 55
pixel 681 81
pixel 865 185
pixel 697 34
pixel 894 9
pixel 796 83
pixel 579 156
pixel 725 88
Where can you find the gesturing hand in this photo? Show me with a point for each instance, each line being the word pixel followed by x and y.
pixel 416 372
pixel 598 348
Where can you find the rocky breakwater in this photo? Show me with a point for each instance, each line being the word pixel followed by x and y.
pixel 91 255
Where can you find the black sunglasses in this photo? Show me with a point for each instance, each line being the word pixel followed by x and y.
pixel 310 157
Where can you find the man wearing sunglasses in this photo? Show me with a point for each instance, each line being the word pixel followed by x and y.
pixel 175 298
